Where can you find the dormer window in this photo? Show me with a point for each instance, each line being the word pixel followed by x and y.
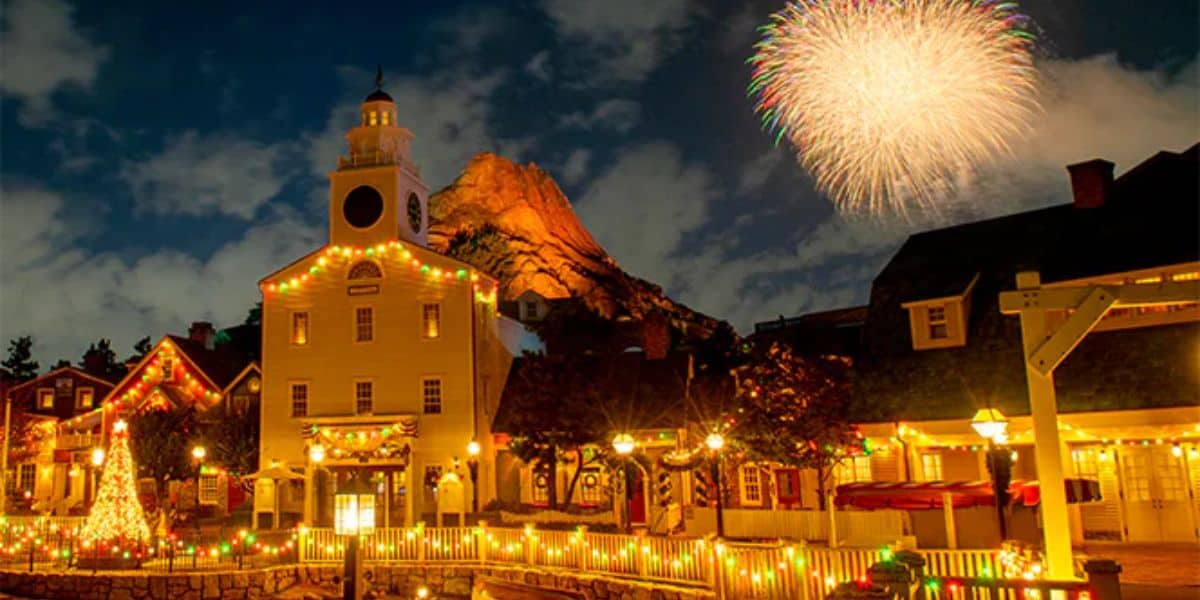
pixel 940 322
pixel 938 329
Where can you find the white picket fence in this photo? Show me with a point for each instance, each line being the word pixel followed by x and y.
pixel 854 528
pixel 778 570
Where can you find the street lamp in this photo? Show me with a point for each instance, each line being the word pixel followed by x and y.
pixel 354 516
pixel 473 451
pixel 198 454
pixel 715 443
pixel 624 444
pixel 992 425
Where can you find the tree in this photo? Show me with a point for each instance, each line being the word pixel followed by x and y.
pixel 142 347
pixel 254 315
pixel 231 437
pixel 162 444
pixel 101 360
pixel 20 359
pixel 796 411
pixel 116 515
pixel 554 412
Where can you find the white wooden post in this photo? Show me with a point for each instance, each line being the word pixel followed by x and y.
pixel 832 514
pixel 1056 528
pixel 948 517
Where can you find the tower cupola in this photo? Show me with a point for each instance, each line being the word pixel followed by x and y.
pixel 376 193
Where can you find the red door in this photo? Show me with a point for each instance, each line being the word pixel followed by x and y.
pixel 637 499
pixel 787 487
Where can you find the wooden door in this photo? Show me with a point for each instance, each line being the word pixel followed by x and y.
pixel 637 498
pixel 1174 516
pixel 1141 513
pixel 1156 498
pixel 787 487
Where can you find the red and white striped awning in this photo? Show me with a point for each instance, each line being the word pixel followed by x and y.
pixel 910 495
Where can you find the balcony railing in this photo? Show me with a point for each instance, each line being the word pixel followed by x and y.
pixel 77 441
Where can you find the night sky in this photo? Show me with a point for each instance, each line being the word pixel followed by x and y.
pixel 158 159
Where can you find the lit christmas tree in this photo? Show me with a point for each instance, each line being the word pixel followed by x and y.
pixel 116 516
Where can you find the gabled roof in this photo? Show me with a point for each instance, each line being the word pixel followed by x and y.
pixel 41 380
pixel 302 264
pixel 1149 221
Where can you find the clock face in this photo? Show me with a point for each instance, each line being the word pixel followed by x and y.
pixel 363 206
pixel 414 213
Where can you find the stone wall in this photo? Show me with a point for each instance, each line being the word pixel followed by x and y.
pixel 445 581
pixel 134 585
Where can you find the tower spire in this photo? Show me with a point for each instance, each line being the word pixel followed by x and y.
pixel 379 77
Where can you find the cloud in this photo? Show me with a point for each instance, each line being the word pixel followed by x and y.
pixel 650 215
pixel 642 207
pixel 201 175
pixel 42 52
pixel 448 112
pixel 618 114
pixel 575 168
pixel 65 296
pixel 626 39
pixel 539 66
pixel 757 171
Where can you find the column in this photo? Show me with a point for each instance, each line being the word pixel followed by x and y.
pixel 1056 529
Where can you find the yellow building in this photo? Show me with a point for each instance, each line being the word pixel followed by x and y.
pixel 380 356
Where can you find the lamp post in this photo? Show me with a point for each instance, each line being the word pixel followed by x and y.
pixel 312 512
pixel 198 454
pixel 354 516
pixel 473 451
pixel 715 443
pixel 90 483
pixel 992 425
pixel 624 444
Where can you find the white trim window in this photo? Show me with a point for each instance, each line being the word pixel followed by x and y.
pixel 431 395
pixel 853 468
pixel 45 398
pixel 209 490
pixel 26 477
pixel 85 397
pixel 931 466
pixel 364 397
pixel 750 484
pixel 300 328
pixel 939 326
pixel 364 324
pixel 431 320
pixel 299 399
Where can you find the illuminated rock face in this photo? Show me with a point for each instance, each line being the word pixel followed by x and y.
pixel 514 222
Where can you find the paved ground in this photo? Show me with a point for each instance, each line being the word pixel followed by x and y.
pixel 1153 564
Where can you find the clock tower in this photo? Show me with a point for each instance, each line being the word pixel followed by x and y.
pixel 376 194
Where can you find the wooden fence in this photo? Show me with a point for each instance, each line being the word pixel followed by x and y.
pixel 855 528
pixel 780 570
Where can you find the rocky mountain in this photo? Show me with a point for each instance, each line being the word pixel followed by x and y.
pixel 514 222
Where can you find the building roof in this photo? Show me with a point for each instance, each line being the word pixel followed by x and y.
pixel 837 331
pixel 23 394
pixel 1149 220
pixel 642 394
pixel 225 361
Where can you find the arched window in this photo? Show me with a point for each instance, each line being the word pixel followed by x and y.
pixel 365 270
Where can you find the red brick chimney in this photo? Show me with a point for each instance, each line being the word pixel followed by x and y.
pixel 1091 182
pixel 656 336
pixel 202 332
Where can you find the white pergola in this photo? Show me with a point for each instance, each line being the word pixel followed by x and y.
pixel 1045 347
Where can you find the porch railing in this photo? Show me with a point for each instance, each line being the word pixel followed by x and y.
pixel 779 570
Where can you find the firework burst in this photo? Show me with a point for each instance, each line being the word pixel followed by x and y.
pixel 887 102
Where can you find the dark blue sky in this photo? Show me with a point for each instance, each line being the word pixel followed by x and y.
pixel 156 159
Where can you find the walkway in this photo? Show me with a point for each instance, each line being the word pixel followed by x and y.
pixel 1145 567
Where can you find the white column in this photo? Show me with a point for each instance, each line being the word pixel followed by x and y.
pixel 948 518
pixel 1056 529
